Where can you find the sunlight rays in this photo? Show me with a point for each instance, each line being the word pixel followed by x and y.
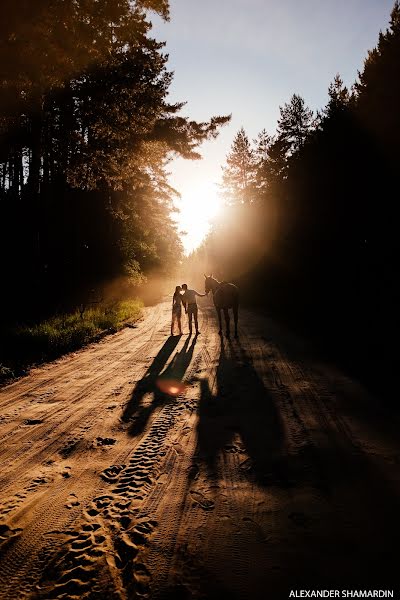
pixel 198 206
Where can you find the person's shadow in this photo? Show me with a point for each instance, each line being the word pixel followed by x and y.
pixel 241 417
pixel 152 389
pixel 180 362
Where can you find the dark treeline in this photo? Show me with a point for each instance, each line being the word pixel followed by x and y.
pixel 86 132
pixel 311 224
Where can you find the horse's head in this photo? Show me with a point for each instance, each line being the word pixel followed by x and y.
pixel 209 283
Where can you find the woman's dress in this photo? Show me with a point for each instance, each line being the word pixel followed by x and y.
pixel 177 306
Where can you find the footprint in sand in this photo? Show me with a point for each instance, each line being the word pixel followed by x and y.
pixel 103 442
pixel 246 465
pixel 72 501
pixel 202 500
pixel 142 579
pixel 102 501
pixel 65 471
pixel 258 530
pixel 10 504
pixel 33 421
pixel 194 472
pixel 7 534
pixel 112 473
pixel 38 481
pixel 69 448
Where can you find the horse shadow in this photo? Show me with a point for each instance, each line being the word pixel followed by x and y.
pixel 241 417
pixel 139 408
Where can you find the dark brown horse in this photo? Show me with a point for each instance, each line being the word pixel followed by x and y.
pixel 225 296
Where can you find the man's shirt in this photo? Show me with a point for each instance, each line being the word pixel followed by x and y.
pixel 189 297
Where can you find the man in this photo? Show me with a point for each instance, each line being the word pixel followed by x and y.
pixel 190 304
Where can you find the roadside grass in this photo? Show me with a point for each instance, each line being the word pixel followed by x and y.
pixel 25 345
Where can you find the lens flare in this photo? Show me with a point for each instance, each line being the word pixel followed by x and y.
pixel 172 387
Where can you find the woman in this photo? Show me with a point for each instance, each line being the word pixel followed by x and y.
pixel 176 309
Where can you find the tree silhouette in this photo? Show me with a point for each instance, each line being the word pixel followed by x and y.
pixel 295 123
pixel 329 183
pixel 262 159
pixel 86 134
pixel 339 98
pixel 239 172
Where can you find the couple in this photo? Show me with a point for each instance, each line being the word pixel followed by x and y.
pixel 186 297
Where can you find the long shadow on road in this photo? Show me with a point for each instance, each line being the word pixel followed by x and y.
pixel 344 536
pixel 241 416
pixel 148 394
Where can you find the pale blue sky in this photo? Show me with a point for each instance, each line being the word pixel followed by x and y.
pixel 247 57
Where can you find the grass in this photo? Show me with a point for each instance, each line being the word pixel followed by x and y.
pixel 29 344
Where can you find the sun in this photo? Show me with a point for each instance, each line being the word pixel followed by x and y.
pixel 198 206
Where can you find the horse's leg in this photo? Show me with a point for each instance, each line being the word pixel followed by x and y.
pixel 236 317
pixel 227 321
pixel 219 319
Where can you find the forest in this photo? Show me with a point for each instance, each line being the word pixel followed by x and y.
pixel 86 133
pixel 310 228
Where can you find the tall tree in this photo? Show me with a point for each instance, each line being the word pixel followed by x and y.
pixel 238 180
pixel 86 134
pixel 339 98
pixel 295 124
pixel 261 158
pixel 377 100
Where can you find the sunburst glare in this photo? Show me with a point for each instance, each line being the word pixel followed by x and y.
pixel 198 207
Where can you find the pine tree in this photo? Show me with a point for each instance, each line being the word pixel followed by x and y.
pixel 339 99
pixel 295 124
pixel 239 174
pixel 261 155
pixel 378 90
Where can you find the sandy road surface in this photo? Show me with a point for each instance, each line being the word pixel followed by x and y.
pixel 268 472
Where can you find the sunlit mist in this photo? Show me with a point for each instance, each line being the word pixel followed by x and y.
pixel 198 207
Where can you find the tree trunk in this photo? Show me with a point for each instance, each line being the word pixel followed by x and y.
pixel 34 182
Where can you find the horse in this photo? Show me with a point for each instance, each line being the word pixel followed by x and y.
pixel 225 296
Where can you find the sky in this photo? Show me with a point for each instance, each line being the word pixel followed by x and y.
pixel 246 58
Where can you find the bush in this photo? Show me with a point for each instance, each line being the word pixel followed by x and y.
pixel 59 334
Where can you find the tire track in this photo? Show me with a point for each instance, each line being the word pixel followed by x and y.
pixel 134 482
pixel 67 365
pixel 52 510
pixel 140 513
pixel 26 438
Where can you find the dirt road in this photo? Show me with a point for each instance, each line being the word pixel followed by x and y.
pixel 265 471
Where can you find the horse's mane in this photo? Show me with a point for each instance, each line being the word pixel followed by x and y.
pixel 215 279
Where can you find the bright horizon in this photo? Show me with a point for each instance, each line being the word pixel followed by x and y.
pixel 267 52
pixel 198 205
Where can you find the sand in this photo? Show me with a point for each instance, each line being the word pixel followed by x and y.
pixel 146 466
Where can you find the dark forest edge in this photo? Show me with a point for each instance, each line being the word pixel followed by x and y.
pixel 86 135
pixel 310 230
